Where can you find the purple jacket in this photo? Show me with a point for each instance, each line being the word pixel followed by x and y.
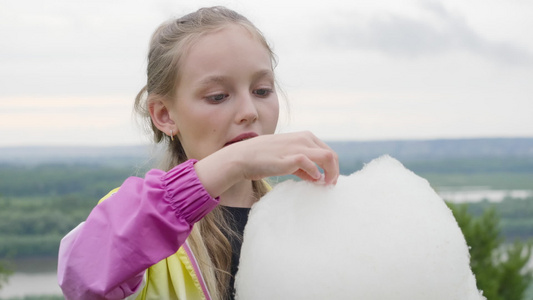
pixel 144 222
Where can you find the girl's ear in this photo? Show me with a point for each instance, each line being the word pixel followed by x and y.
pixel 159 112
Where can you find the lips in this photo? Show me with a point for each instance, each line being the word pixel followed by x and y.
pixel 242 137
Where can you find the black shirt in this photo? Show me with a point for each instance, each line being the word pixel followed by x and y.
pixel 238 217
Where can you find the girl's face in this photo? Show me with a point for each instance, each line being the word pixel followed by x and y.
pixel 225 92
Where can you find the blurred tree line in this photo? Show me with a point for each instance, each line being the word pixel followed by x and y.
pixel 40 204
pixel 57 179
pixel 5 271
pixel 34 226
pixel 516 216
pixel 501 270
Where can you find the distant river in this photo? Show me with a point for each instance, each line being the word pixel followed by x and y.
pixel 28 284
pixel 480 193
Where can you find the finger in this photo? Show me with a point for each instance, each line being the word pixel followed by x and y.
pixel 328 161
pixel 304 176
pixel 304 167
pixel 330 165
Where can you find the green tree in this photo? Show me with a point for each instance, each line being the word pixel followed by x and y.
pixel 5 272
pixel 501 270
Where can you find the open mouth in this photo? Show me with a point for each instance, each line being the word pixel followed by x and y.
pixel 240 138
pixel 233 142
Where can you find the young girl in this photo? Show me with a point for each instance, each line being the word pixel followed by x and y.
pixel 176 234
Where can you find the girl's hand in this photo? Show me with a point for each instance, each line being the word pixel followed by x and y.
pixel 268 155
pixel 282 154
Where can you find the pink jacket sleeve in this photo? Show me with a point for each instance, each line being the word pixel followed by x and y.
pixel 146 221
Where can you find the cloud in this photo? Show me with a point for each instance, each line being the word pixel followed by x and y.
pixel 434 30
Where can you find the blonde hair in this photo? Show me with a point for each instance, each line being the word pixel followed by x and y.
pixel 168 45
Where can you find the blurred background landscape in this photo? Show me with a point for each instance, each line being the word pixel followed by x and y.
pixel 47 191
pixel 443 86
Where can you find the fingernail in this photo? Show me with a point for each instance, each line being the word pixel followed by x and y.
pixel 321 180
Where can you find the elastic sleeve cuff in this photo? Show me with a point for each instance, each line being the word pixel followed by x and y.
pixel 186 194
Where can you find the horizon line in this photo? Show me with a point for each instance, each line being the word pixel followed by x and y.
pixel 151 144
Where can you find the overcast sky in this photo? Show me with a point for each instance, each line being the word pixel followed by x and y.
pixel 352 70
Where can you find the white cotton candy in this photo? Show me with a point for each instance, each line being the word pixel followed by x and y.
pixel 380 233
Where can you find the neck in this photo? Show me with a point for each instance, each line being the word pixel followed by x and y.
pixel 239 195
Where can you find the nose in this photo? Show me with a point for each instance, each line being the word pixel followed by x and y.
pixel 246 110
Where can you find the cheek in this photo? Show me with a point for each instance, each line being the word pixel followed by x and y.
pixel 275 114
pixel 271 116
pixel 201 119
pixel 276 109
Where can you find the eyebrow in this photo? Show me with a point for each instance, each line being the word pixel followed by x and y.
pixel 263 73
pixel 221 79
pixel 213 79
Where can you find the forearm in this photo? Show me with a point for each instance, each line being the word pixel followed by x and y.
pixel 219 171
pixel 144 222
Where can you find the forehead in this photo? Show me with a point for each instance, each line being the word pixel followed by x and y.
pixel 228 48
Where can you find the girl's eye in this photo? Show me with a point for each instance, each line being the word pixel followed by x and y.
pixel 263 92
pixel 217 98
